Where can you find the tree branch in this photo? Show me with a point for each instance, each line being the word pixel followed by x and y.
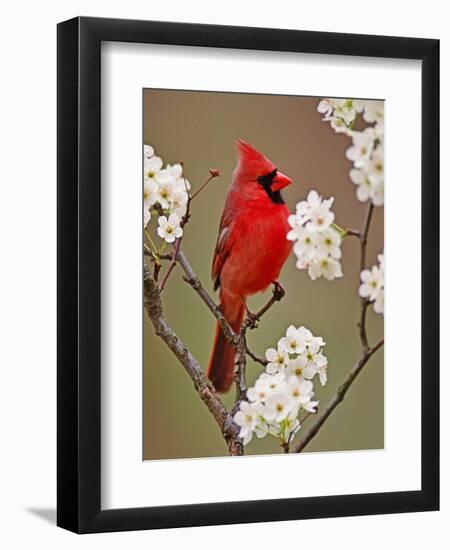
pixel 364 235
pixel 173 261
pixel 366 352
pixel 338 397
pixel 256 358
pixel 240 366
pixel 253 318
pixel 194 281
pixel 362 266
pixel 205 390
pixel 238 341
pixel 353 233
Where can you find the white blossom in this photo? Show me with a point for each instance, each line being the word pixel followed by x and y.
pixel 174 174
pixel 303 208
pixel 286 388
pixel 320 218
pixel 364 185
pixel 152 168
pixel 277 359
pixel 310 406
pixel 377 194
pixel 363 144
pixel 372 285
pixel 380 258
pixel 305 244
pixel 379 131
pixel 366 151
pixel 275 382
pixel 315 359
pixel 293 342
pixel 179 200
pixel 378 305
pixel 316 241
pixel 147 217
pixel 340 113
pixel 261 390
pixel 163 195
pixel 323 375
pixel 169 228
pixel 300 391
pixel 328 242
pixel 374 167
pixel 277 407
pixel 164 188
pixel 314 343
pixel 299 368
pixel 247 419
pixel 368 176
pixel 326 267
pixel 148 151
pixel 373 111
pixel 325 107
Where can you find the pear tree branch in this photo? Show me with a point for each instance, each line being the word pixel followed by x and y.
pixel 238 341
pixel 338 397
pixel 366 350
pixel 153 306
pixel 204 388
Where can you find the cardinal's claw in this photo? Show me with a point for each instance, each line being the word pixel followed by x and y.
pixel 252 320
pixel 278 291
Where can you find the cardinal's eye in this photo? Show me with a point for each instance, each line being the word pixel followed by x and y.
pixel 267 179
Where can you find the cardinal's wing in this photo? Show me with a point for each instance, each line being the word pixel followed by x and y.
pixel 222 250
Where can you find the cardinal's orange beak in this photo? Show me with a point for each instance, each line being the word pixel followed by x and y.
pixel 280 181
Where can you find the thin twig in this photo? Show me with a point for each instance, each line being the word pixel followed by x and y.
pixel 353 233
pixel 184 220
pixel 240 366
pixel 338 397
pixel 241 348
pixel 253 318
pixel 177 245
pixel 160 256
pixel 362 266
pixel 256 358
pixel 173 261
pixel 156 270
pixel 307 414
pixel 366 351
pixel 238 341
pixel 364 235
pixel 213 173
pixel 205 390
pixel 194 281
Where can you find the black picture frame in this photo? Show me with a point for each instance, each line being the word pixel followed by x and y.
pixel 79 275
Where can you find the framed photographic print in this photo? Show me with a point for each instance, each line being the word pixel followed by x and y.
pixel 225 245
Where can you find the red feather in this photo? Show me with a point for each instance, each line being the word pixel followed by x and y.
pixel 251 248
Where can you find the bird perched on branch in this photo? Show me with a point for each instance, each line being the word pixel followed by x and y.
pixel 251 248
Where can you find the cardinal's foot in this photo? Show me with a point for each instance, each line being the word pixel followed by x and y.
pixel 278 291
pixel 251 321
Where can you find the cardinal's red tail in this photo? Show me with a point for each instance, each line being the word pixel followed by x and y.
pixel 221 364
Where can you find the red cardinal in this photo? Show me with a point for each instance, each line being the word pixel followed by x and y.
pixel 251 247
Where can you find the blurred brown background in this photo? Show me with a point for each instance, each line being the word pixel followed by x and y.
pixel 199 128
